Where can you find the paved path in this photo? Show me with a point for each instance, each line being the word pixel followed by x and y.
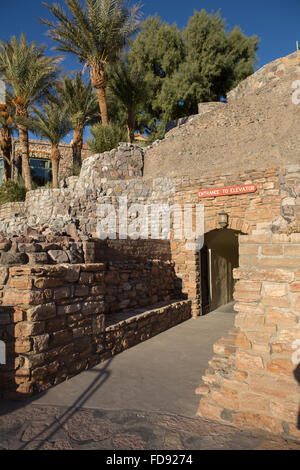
pixel 160 374
pixel 141 399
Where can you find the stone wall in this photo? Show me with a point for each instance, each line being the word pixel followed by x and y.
pixel 53 319
pixel 252 380
pixel 269 73
pixel 257 128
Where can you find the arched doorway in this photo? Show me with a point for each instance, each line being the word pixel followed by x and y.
pixel 219 256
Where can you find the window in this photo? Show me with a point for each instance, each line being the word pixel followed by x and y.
pixel 41 170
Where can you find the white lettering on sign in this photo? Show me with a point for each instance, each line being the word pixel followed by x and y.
pixel 231 190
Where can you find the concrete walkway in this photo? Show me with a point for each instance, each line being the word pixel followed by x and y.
pixel 160 374
pixel 142 399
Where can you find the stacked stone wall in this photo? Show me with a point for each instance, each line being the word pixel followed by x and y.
pixel 53 319
pixel 253 379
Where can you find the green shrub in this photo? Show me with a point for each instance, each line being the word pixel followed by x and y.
pixel 76 169
pixel 12 191
pixel 106 138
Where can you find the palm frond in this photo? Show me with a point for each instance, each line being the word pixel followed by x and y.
pixel 96 32
pixel 26 69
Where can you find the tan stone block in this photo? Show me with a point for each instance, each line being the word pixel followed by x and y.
pixel 61 293
pixel 209 410
pixel 272 250
pixel 261 347
pixel 22 346
pixel 248 250
pixel 44 283
pixel 17 316
pixel 283 367
pixel 244 260
pixel 13 298
pixel 21 283
pixel 245 361
pixel 285 411
pixel 226 398
pixel 280 302
pixel 237 385
pixel 273 386
pixel 258 421
pixel 241 375
pixel 248 286
pixel 42 312
pixel 254 309
pixel 242 341
pixel 281 238
pixel 295 287
pixel 249 322
pixel 24 329
pixel 253 402
pixel 292 250
pixel 263 334
pixel 255 239
pixel 297 304
pixel 279 262
pixel 275 289
pixel 281 317
pixel 246 296
pixel 272 275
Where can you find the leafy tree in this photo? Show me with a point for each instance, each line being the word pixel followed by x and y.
pixel 30 75
pixel 105 138
pixel 201 63
pixel 156 53
pixel 51 123
pixel 215 60
pixel 82 108
pixel 95 33
pixel 131 90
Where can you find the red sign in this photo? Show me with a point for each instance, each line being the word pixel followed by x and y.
pixel 230 191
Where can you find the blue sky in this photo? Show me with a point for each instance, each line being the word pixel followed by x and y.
pixel 276 22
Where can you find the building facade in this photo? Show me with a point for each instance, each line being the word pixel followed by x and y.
pixel 40 162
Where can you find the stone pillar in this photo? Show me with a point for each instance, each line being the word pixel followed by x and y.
pixel 253 379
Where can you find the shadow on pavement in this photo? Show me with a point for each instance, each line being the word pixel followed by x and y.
pixel 101 377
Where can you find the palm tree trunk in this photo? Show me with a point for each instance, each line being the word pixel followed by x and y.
pixel 99 81
pixel 55 157
pixel 77 147
pixel 6 147
pixel 131 126
pixel 24 143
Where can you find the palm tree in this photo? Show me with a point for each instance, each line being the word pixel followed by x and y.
pixel 51 123
pixel 82 108
pixel 95 33
pixel 6 129
pixel 30 75
pixel 131 90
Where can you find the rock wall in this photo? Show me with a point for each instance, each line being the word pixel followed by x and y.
pixel 257 128
pixel 53 319
pixel 253 379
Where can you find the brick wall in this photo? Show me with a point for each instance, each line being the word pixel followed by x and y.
pixel 53 319
pixel 252 380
